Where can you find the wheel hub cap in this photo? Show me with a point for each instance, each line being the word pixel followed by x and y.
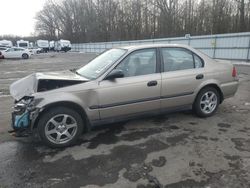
pixel 208 102
pixel 61 128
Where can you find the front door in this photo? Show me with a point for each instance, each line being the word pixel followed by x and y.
pixel 10 53
pixel 137 92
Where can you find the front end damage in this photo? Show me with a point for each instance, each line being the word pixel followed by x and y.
pixel 24 116
pixel 25 109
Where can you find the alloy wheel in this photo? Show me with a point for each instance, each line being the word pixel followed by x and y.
pixel 208 102
pixel 61 128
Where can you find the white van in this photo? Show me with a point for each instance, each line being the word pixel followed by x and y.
pixel 52 45
pixel 43 44
pixel 22 44
pixel 6 43
pixel 62 45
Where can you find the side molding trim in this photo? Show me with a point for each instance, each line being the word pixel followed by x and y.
pixel 94 107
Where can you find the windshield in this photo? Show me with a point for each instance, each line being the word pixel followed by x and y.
pixel 23 44
pixel 101 63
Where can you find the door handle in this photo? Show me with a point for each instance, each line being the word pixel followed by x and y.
pixel 152 83
pixel 199 76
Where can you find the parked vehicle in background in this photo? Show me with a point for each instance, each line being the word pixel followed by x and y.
pixel 23 44
pixel 2 48
pixel 62 45
pixel 52 45
pixel 16 52
pixel 31 45
pixel 120 84
pixel 43 44
pixel 1 55
pixel 6 43
pixel 35 50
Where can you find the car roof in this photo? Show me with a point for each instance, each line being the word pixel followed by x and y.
pixel 162 45
pixel 18 48
pixel 143 46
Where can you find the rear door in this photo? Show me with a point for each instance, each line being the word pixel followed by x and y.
pixel 18 52
pixel 182 73
pixel 137 92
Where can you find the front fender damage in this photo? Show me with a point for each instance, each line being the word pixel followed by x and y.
pixel 23 91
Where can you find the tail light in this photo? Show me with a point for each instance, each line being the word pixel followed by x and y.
pixel 234 72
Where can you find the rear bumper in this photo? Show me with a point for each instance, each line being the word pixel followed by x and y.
pixel 229 89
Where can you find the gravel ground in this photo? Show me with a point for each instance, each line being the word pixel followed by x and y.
pixel 176 150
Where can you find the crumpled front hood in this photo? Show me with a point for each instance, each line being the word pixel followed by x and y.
pixel 60 75
pixel 51 80
pixel 23 87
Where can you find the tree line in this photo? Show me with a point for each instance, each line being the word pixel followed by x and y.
pixel 112 20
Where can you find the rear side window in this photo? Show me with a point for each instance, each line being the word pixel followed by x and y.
pixel 175 59
pixel 198 61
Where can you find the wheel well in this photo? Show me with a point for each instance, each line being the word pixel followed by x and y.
pixel 66 104
pixel 25 54
pixel 217 88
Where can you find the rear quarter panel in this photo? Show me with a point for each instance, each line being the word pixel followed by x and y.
pixel 220 73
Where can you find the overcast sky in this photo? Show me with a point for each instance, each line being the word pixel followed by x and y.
pixel 17 16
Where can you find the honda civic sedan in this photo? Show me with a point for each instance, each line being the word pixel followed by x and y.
pixel 120 84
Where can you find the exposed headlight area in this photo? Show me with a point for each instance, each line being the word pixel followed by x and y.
pixel 24 113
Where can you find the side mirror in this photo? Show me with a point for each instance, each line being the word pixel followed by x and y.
pixel 116 73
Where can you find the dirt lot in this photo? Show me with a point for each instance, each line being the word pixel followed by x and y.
pixel 174 150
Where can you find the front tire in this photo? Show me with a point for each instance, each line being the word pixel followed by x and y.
pixel 206 102
pixel 25 56
pixel 60 127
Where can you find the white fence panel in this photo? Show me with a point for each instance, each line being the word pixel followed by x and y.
pixel 201 43
pixel 234 46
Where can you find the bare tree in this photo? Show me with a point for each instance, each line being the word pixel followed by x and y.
pixel 106 20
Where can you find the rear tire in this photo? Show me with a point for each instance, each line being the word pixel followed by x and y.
pixel 206 102
pixel 25 56
pixel 60 127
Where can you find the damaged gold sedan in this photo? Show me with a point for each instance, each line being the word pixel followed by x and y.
pixel 120 84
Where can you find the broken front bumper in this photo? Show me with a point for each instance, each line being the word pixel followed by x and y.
pixel 23 117
pixel 20 121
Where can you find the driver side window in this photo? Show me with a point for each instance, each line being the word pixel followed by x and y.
pixel 141 62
